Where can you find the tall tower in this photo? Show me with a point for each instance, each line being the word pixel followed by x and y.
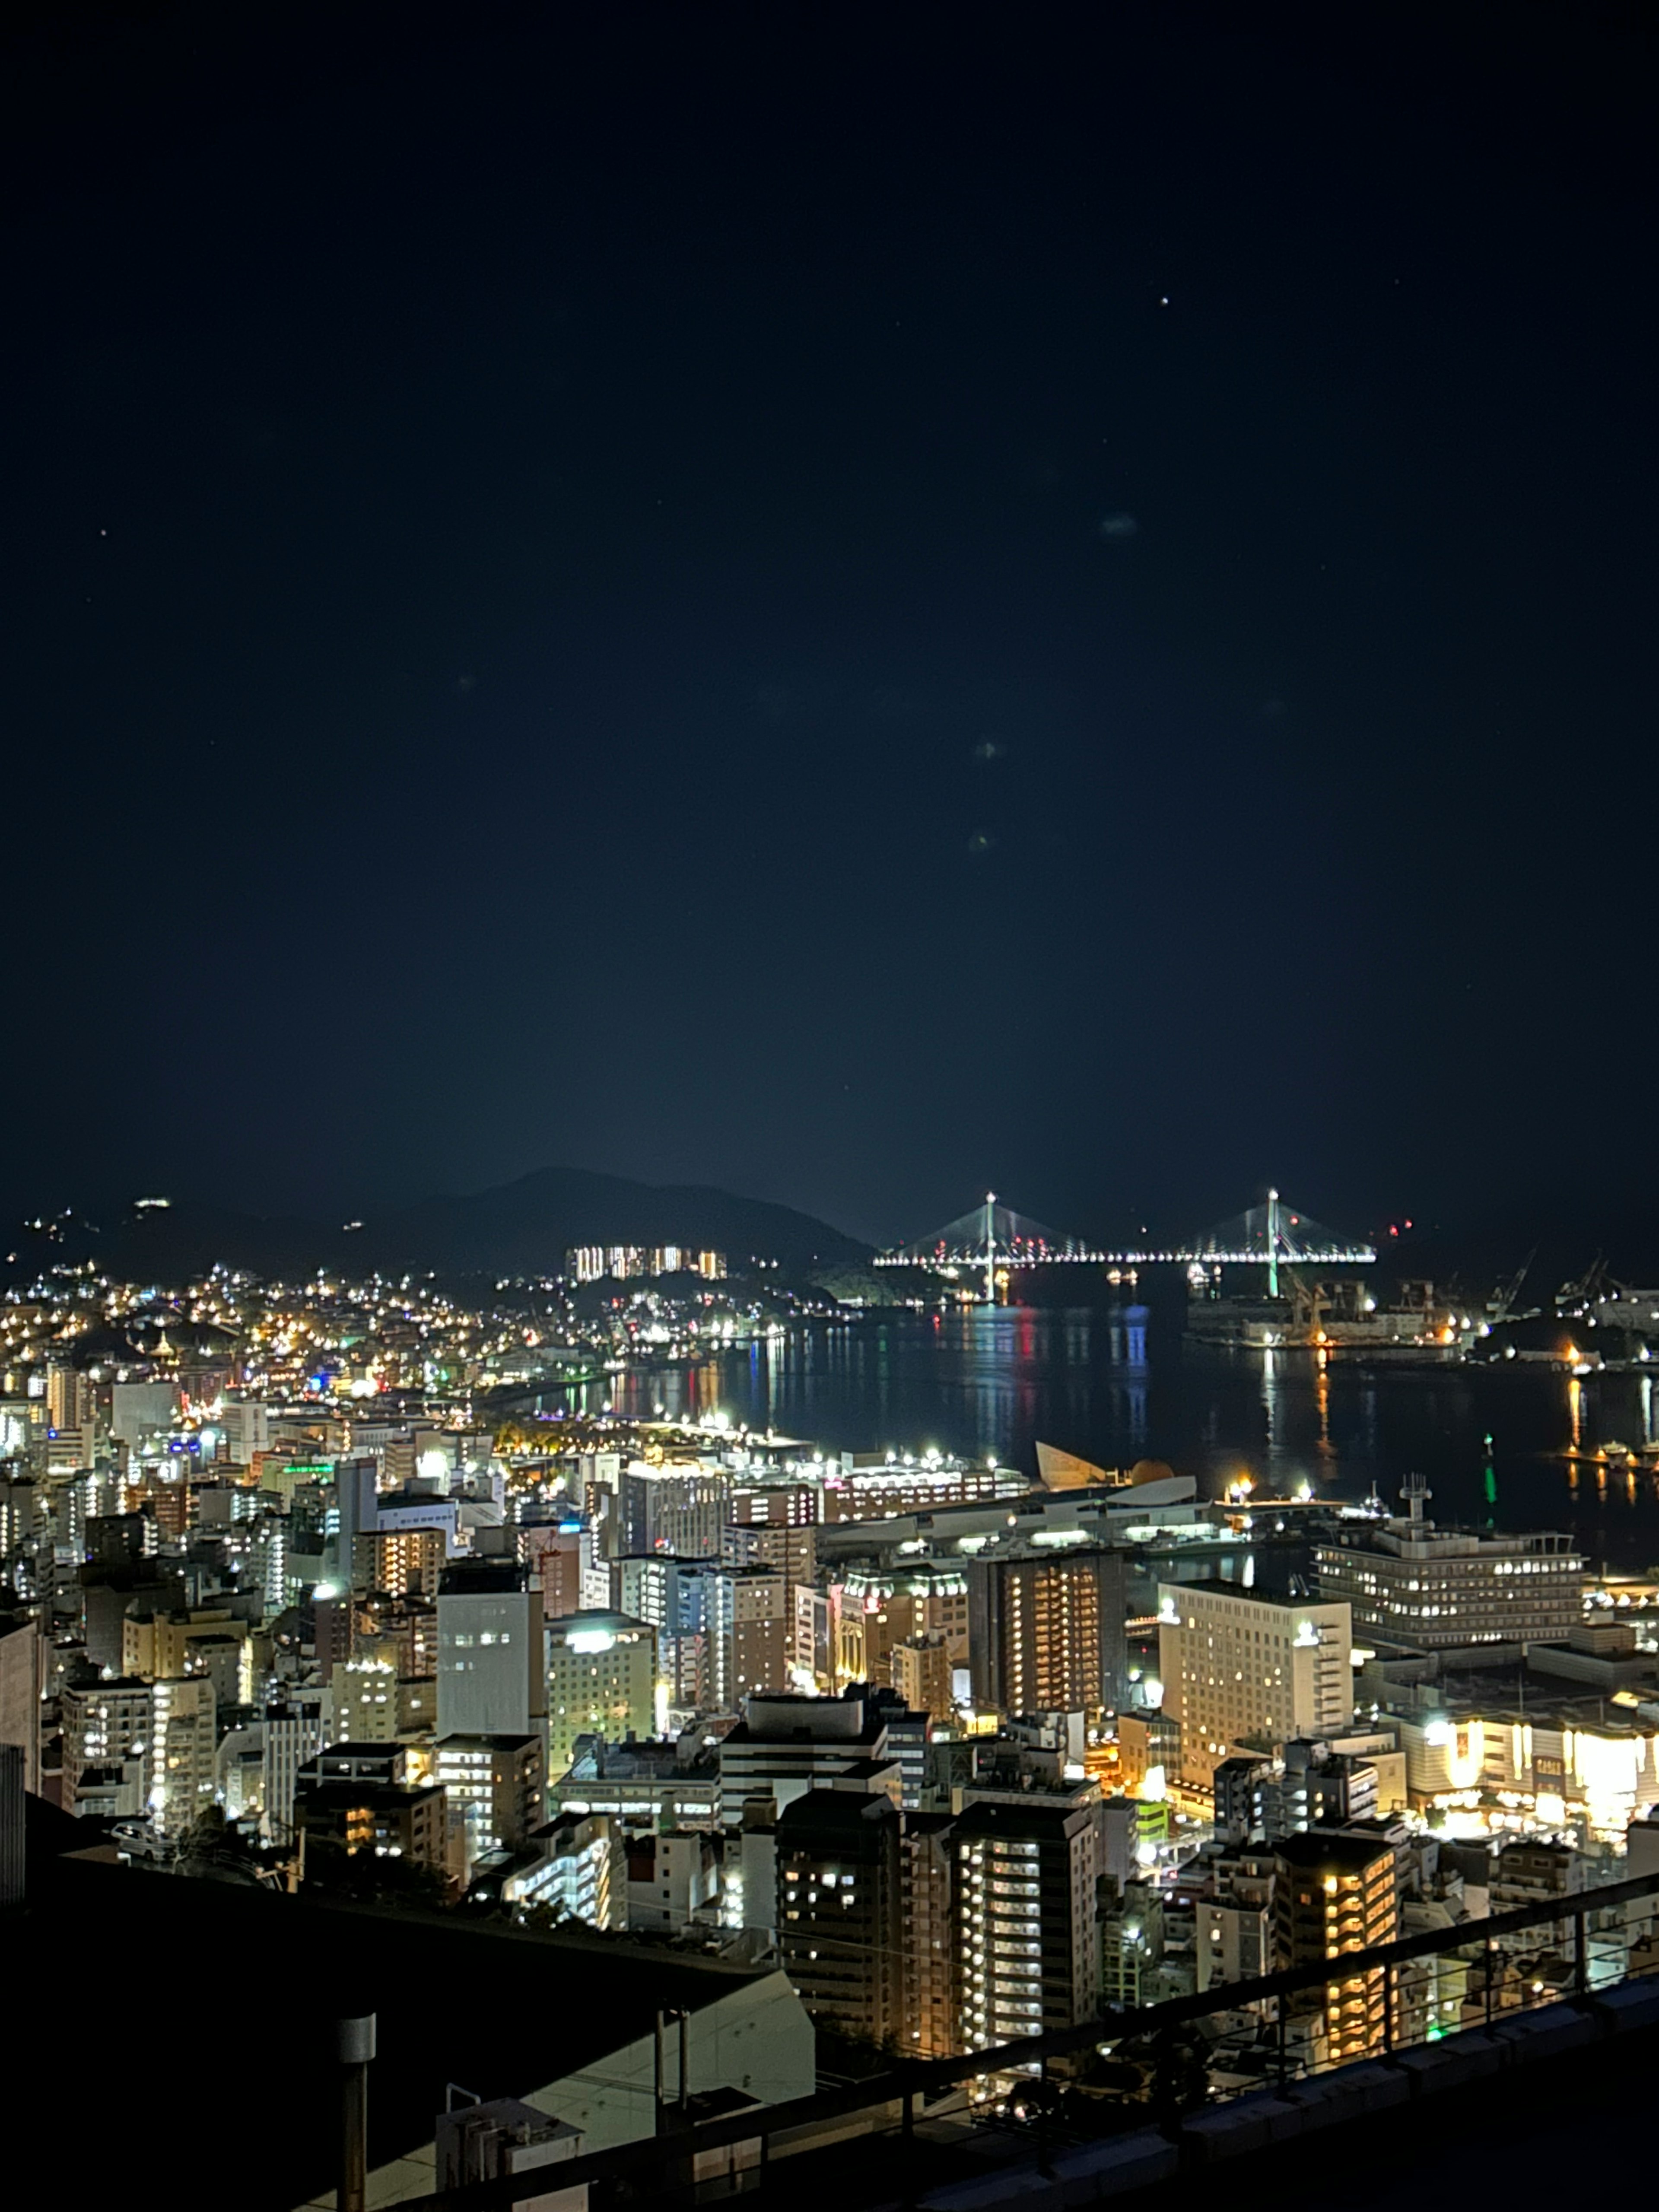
pixel 990 1248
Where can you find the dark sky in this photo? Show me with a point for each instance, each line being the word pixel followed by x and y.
pixel 848 602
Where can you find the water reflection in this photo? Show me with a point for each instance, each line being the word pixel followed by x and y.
pixel 1121 1384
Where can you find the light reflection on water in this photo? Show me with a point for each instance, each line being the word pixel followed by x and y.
pixel 1117 1384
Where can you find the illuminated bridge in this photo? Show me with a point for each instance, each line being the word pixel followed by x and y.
pixel 992 1238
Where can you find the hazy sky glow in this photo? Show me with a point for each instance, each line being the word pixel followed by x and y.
pixel 847 604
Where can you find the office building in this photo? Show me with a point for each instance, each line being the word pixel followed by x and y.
pixel 883 1607
pixel 496 1785
pixel 680 1508
pixel 784 1747
pixel 601 1680
pixel 1334 1894
pixel 1239 1667
pixel 673 1878
pixel 1046 1629
pixel 874 1487
pixel 1409 1583
pixel 922 1675
pixel 553 1552
pixel 491 1665
pixel 366 1701
pixel 294 1732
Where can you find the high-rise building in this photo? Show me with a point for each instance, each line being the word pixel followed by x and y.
pixel 678 1598
pixel 812 1651
pixel 840 1913
pixel 1240 1666
pixel 1027 1937
pixel 787 1546
pixel 1407 1582
pixel 71 1399
pixel 679 1508
pixel 294 1732
pixel 880 1607
pixel 12 1826
pixel 1046 1629
pixel 722 1631
pixel 1260 1797
pixel 1334 1894
pixel 491 1665
pixel 932 1961
pixel 183 1741
pixel 581 1872
pixel 553 1552
pixel 601 1680
pixel 757 1632
pixel 673 1877
pixel 356 1508
pixel 1233 1924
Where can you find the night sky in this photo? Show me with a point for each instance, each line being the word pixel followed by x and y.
pixel 851 603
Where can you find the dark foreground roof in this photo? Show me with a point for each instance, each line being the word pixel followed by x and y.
pixel 150 2002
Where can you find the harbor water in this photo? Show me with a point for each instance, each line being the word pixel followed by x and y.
pixel 1121 1383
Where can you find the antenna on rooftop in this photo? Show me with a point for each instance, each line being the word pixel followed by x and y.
pixel 1414 1490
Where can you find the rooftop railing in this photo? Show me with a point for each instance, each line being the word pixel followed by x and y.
pixel 667 2162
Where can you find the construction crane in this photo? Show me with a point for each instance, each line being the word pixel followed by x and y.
pixel 1501 1305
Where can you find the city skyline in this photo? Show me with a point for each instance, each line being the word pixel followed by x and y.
pixel 828 1356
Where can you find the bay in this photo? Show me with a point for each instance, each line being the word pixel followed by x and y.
pixel 1118 1383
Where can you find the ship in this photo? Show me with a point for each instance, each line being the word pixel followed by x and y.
pixel 1340 1317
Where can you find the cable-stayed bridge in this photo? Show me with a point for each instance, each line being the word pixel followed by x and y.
pixel 993 1237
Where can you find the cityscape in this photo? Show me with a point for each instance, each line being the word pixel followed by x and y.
pixel 829 1284
pixel 915 1768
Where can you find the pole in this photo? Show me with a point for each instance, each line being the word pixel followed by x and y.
pixel 355 2045
pixel 990 1248
pixel 1580 1954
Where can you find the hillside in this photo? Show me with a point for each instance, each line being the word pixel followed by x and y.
pixel 516 1229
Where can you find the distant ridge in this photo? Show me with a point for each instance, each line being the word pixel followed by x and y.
pixel 521 1228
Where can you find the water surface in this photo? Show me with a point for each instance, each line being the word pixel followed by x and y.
pixel 1118 1384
